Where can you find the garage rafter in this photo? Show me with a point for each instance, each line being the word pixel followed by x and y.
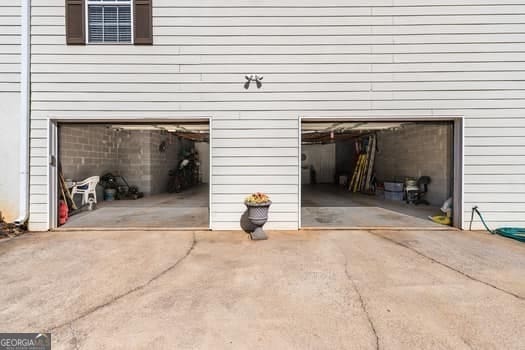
pixel 198 132
pixel 329 132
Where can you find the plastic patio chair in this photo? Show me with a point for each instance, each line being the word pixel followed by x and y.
pixel 86 188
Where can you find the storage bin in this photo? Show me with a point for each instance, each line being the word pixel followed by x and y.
pixel 394 195
pixel 394 186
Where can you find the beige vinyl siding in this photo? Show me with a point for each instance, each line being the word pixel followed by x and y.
pixel 10 24
pixel 10 46
pixel 335 58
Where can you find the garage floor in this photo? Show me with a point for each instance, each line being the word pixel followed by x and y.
pixel 168 210
pixel 333 206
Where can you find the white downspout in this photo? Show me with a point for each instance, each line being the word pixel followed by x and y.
pixel 25 66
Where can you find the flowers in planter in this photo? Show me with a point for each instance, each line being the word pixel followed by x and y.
pixel 258 205
pixel 257 198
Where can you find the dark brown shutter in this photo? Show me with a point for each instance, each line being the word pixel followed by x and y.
pixel 75 22
pixel 143 26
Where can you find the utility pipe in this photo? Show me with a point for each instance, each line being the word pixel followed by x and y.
pixel 25 66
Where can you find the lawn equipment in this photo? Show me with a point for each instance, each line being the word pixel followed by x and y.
pixel 122 187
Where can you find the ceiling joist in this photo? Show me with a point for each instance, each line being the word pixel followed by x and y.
pixel 328 132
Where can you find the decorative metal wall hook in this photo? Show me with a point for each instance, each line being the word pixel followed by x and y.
pixel 253 77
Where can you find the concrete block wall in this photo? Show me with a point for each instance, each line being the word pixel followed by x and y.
pixel 133 158
pixel 160 163
pixel 86 151
pixel 417 150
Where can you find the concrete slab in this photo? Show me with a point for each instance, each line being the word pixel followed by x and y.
pixel 168 210
pixel 360 217
pixel 133 217
pixel 333 206
pixel 200 290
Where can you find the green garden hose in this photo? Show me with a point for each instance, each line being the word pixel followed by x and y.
pixel 516 233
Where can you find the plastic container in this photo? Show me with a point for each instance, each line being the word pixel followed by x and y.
pixel 394 195
pixel 109 194
pixel 63 213
pixel 411 182
pixel 394 186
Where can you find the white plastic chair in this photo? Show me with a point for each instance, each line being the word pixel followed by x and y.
pixel 85 188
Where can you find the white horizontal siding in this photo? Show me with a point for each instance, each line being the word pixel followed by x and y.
pixel 10 24
pixel 336 58
pixel 10 40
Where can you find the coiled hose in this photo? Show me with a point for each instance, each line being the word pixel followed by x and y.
pixel 516 233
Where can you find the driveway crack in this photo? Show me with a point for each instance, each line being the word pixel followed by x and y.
pixel 362 302
pixel 464 274
pixel 74 339
pixel 130 291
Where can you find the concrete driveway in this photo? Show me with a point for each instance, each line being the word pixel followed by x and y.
pixel 299 290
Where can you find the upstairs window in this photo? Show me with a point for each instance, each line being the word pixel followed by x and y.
pixel 109 21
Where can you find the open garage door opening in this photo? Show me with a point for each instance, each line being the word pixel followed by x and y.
pixel 129 175
pixel 384 174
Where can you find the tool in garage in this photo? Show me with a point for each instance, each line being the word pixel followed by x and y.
pixel 64 191
pixel 367 187
pixel 122 187
pixel 363 175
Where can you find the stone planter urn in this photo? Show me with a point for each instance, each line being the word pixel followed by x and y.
pixel 258 205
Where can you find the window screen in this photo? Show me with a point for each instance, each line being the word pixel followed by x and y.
pixel 109 21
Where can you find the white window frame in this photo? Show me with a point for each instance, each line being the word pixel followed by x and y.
pixel 132 16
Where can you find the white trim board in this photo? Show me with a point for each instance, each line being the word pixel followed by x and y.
pixel 458 161
pixel 53 151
